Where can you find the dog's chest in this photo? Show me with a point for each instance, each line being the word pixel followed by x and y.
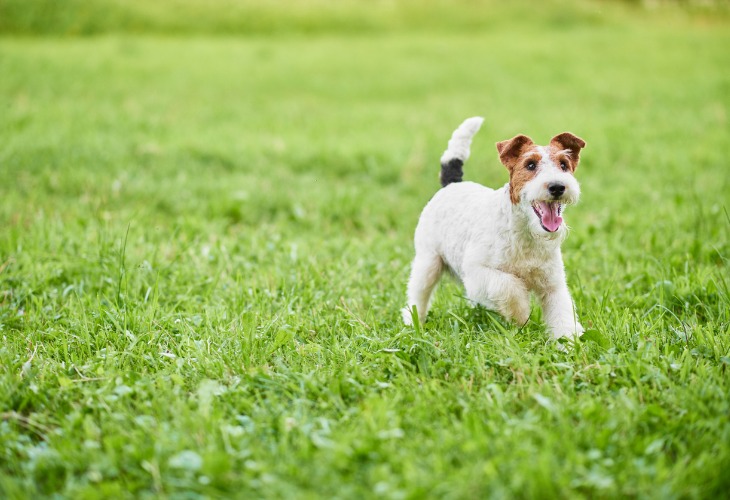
pixel 529 264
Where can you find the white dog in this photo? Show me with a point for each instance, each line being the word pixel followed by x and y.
pixel 501 243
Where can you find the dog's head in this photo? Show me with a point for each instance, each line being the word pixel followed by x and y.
pixel 541 180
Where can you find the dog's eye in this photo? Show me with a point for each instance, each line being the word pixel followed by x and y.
pixel 531 165
pixel 563 165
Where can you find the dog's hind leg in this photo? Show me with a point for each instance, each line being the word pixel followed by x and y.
pixel 425 273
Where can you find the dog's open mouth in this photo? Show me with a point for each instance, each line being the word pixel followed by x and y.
pixel 549 214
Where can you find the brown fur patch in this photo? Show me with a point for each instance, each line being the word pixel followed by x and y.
pixel 519 174
pixel 558 157
pixel 568 141
pixel 511 149
pixel 512 155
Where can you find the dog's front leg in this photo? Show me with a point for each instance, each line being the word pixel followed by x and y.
pixel 558 309
pixel 499 291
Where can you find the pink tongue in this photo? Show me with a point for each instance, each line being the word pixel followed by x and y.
pixel 549 216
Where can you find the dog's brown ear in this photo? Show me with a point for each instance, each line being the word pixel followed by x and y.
pixel 571 142
pixel 511 149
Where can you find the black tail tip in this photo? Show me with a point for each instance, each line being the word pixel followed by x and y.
pixel 451 171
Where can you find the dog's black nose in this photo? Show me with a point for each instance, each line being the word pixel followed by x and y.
pixel 556 190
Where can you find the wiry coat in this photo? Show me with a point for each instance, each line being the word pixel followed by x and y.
pixel 501 243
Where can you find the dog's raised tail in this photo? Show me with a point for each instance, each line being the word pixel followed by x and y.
pixel 457 153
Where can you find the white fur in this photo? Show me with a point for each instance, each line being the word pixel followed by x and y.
pixel 498 249
pixel 461 140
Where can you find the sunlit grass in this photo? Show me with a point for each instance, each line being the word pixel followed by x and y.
pixel 204 245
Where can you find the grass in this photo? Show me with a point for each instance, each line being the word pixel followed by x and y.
pixel 205 243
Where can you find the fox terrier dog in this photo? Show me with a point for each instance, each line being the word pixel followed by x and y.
pixel 501 244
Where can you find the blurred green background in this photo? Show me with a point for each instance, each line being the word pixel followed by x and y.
pixel 266 17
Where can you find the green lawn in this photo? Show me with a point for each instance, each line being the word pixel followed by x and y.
pixel 204 244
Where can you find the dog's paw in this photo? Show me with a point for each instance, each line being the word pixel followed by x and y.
pixel 407 314
pixel 571 331
pixel 579 330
